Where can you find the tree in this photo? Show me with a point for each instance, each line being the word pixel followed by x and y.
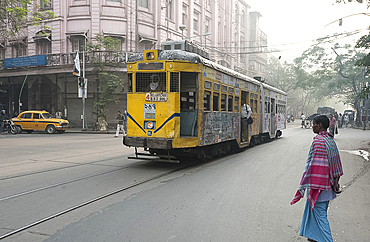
pixel 105 56
pixel 359 1
pixel 364 42
pixel 16 14
pixel 332 71
pixel 285 77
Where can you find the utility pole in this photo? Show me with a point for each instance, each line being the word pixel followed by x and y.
pixel 84 89
pixel 136 26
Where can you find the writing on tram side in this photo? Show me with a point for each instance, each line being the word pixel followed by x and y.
pixel 156 97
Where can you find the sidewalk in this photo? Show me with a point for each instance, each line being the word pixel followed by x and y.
pixel 89 131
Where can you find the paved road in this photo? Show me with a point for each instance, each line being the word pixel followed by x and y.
pixel 240 197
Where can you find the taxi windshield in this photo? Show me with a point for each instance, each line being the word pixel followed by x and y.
pixel 46 115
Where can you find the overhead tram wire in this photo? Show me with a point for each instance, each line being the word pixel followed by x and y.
pixel 335 36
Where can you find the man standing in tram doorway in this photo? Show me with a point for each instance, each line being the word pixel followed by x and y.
pixel 246 113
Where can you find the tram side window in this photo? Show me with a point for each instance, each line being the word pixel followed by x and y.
pixel 223 102
pixel 230 103
pixel 265 107
pixel 251 104
pixel 129 76
pixel 207 101
pixel 224 88
pixel 236 104
pixel 255 106
pixel 174 82
pixel 216 98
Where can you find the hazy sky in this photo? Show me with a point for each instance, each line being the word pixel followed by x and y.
pixel 292 24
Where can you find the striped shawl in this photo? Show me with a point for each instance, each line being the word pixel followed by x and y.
pixel 322 166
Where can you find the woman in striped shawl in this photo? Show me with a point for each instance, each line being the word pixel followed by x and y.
pixel 321 179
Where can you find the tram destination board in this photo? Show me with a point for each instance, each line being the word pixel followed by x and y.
pixel 150 66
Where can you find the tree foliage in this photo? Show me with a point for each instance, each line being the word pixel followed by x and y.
pixel 325 70
pixel 363 42
pixel 358 1
pixel 17 14
pixel 102 50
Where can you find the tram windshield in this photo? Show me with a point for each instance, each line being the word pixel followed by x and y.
pixel 151 82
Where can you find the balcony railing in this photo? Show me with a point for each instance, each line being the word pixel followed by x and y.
pixel 62 59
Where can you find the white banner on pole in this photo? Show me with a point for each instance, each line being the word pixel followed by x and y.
pixel 77 67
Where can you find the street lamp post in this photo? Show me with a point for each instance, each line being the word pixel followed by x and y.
pixel 182 27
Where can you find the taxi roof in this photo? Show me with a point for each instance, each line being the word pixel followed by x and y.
pixel 34 111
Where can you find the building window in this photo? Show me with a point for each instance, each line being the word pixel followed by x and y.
pixel 19 48
pixel 119 1
pixel 207 27
pixel 195 21
pixel 2 52
pixel 46 4
pixel 142 3
pixel 184 14
pixel 169 9
pixel 208 4
pixel 43 47
pixel 78 44
pixel 116 42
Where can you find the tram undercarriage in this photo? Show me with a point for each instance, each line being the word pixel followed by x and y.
pixel 164 152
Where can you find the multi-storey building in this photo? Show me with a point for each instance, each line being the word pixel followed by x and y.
pixel 225 28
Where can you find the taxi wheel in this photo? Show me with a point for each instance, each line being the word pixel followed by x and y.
pixel 50 129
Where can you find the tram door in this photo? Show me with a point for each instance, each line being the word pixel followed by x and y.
pixel 244 129
pixel 273 119
pixel 189 104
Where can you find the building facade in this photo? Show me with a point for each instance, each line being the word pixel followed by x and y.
pixel 225 28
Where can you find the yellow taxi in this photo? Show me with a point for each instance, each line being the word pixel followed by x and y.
pixel 40 120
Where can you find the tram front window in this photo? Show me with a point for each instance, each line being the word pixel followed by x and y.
pixel 151 82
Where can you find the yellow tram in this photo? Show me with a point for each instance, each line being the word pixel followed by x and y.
pixel 180 103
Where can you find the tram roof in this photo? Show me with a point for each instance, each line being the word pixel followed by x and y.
pixel 195 58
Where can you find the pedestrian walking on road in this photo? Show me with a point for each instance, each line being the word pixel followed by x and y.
pixel 121 119
pixel 303 117
pixel 331 124
pixel 321 179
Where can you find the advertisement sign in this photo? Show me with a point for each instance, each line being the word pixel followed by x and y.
pixel 35 60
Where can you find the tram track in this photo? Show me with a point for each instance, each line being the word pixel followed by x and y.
pixel 96 199
pixel 76 164
pixel 67 182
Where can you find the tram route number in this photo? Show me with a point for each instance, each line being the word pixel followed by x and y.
pixel 156 97
pixel 150 110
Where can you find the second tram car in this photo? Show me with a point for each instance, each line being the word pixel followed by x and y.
pixel 180 103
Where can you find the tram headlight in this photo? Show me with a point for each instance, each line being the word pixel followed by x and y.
pixel 149 124
pixel 150 55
